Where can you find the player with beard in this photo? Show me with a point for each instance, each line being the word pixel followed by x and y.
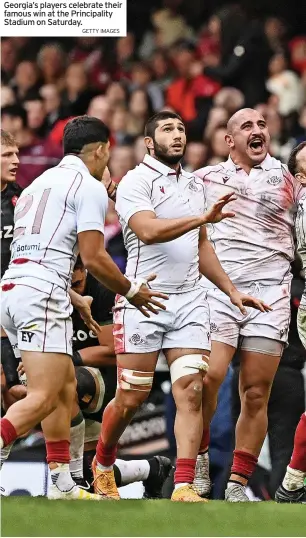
pixel 255 249
pixel 293 488
pixel 161 210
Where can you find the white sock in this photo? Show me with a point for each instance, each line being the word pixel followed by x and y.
pixel 104 467
pixel 294 479
pixel 232 483
pixel 61 477
pixel 77 437
pixel 181 484
pixel 133 471
pixel 5 452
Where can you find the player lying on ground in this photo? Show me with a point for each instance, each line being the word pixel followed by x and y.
pixel 162 213
pixel 61 212
pixel 255 248
pixel 293 488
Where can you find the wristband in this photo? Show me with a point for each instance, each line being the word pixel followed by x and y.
pixel 135 287
pixel 77 359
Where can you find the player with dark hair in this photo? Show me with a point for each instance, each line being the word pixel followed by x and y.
pixel 60 213
pixel 293 488
pixel 162 212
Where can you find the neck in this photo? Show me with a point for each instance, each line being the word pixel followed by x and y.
pixel 242 161
pixel 175 167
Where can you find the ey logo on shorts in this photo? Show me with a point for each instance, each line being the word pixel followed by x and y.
pixel 26 336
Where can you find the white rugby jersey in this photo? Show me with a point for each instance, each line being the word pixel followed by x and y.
pixel 153 186
pixel 300 226
pixel 257 244
pixel 59 204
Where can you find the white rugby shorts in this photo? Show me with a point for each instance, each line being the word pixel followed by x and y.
pixel 35 315
pixel 185 324
pixel 227 323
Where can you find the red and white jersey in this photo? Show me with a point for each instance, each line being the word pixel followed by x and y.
pixel 153 186
pixel 59 204
pixel 300 227
pixel 257 244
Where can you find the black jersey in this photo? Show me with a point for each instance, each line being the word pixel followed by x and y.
pixel 101 309
pixel 9 197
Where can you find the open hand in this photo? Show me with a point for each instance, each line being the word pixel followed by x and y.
pixel 215 214
pixel 144 299
pixel 83 307
pixel 243 299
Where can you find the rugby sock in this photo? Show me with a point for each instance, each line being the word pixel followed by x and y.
pixel 77 437
pixel 61 477
pixel 8 432
pixel 184 472
pixel 243 466
pixel 58 454
pixel 298 459
pixel 106 455
pixel 204 442
pixel 5 452
pixel 293 479
pixel 131 471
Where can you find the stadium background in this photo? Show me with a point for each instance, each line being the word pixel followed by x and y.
pixel 205 60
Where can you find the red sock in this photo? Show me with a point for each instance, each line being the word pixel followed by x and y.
pixel 298 459
pixel 244 464
pixel 8 432
pixel 185 470
pixel 106 455
pixel 58 451
pixel 204 442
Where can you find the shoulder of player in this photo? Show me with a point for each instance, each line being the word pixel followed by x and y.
pixel 206 171
pixel 139 175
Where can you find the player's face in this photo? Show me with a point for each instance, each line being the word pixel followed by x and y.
pixel 250 137
pixel 9 163
pixel 78 282
pixel 169 143
pixel 301 162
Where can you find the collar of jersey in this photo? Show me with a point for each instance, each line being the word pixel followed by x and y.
pixel 73 160
pixel 157 166
pixel 266 164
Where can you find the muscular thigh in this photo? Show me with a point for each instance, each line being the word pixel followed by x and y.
pixel 47 372
pixel 257 370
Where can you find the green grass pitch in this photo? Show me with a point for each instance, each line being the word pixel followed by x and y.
pixel 40 517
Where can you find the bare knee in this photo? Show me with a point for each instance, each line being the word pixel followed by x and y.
pixel 130 400
pixel 188 394
pixel 255 398
pixel 45 401
pixel 213 380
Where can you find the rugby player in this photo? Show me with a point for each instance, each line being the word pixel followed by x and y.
pixel 162 212
pixel 255 249
pixel 61 212
pixel 293 488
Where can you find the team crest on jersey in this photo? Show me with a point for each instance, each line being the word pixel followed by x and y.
pixel 213 328
pixel 14 200
pixel 193 186
pixel 274 180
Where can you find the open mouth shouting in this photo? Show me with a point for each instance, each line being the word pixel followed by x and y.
pixel 257 145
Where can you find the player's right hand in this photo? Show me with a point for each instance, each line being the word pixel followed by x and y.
pixel 215 213
pixel 144 299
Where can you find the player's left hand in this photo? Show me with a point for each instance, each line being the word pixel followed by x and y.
pixel 83 308
pixel 243 299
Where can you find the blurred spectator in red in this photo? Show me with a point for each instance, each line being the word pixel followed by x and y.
pixel 140 110
pixel 35 155
pixel 209 44
pixel 7 96
pixel 184 92
pixel 245 54
pixel 122 160
pixel 141 79
pixel 8 60
pixel 100 108
pixel 195 156
pixel 285 85
pixel 52 63
pixel 298 53
pixel 301 136
pixel 26 79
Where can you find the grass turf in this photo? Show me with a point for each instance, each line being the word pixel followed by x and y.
pixel 40 517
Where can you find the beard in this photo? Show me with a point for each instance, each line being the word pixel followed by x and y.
pixel 161 154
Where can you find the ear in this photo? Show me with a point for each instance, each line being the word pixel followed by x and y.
pixel 301 178
pixel 100 150
pixel 149 143
pixel 229 140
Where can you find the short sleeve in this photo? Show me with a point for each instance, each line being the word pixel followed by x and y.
pixel 91 204
pixel 133 195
